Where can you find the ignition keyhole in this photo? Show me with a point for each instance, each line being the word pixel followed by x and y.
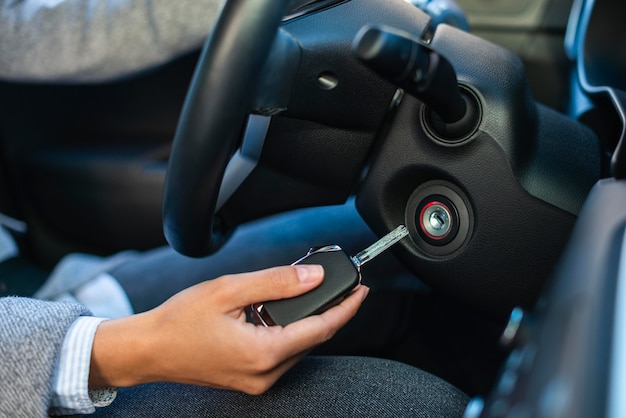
pixel 437 220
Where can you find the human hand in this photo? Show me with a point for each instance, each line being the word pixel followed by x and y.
pixel 200 336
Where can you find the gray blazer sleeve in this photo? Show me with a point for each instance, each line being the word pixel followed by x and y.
pixel 95 40
pixel 31 336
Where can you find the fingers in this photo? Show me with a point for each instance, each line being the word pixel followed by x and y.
pixel 307 333
pixel 272 284
pixel 230 352
pixel 261 382
pixel 289 344
pixel 283 347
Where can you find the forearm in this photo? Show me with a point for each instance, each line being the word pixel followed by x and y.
pixel 85 40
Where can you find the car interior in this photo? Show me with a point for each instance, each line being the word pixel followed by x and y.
pixel 494 130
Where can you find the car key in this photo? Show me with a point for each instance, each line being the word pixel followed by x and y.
pixel 342 274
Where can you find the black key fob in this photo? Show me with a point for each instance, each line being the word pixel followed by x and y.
pixel 341 276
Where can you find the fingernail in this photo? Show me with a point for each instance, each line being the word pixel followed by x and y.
pixel 367 292
pixel 308 273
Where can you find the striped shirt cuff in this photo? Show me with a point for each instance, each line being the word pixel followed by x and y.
pixel 70 387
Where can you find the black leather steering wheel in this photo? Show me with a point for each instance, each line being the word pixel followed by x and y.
pixel 212 119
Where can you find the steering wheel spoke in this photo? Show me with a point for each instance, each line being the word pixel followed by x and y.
pixel 217 104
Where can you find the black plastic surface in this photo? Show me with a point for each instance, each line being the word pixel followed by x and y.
pixel 526 172
pixel 515 240
pixel 332 129
pixel 412 66
pixel 303 164
pixel 340 277
pixel 535 138
pixel 563 368
pixel 355 108
pixel 361 98
pixel 563 163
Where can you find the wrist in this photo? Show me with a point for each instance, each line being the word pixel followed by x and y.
pixel 123 353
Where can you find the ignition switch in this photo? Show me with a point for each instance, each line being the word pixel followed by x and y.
pixel 437 220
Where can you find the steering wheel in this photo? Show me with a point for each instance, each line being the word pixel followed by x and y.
pixel 212 119
pixel 511 181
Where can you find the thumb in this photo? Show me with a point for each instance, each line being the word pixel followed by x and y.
pixel 274 283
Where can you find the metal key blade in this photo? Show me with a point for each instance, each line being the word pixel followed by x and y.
pixel 379 246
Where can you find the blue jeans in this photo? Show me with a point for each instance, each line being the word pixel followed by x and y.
pixel 316 387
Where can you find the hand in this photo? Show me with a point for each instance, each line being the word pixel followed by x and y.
pixel 200 336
